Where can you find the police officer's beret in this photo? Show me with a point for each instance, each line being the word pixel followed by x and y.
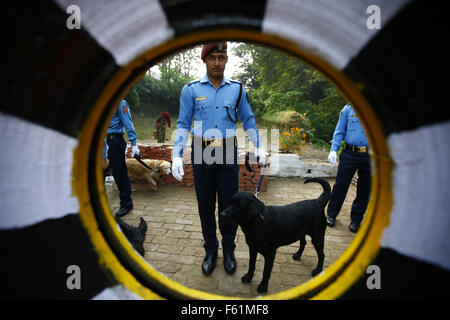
pixel 213 47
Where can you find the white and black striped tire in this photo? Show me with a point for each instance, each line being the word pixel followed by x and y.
pixel 60 85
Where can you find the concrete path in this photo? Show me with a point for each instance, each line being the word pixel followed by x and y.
pixel 174 240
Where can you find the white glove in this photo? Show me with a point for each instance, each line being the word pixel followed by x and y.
pixel 332 157
pixel 259 152
pixel 134 151
pixel 177 168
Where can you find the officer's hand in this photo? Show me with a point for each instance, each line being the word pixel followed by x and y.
pixel 332 157
pixel 105 163
pixel 177 168
pixel 260 155
pixel 134 151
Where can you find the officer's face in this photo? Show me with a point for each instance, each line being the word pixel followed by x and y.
pixel 215 64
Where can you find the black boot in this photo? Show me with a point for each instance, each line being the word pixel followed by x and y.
pixel 229 263
pixel 123 211
pixel 209 264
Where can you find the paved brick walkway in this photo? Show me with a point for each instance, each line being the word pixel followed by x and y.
pixel 174 240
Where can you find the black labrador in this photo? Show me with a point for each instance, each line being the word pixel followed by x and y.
pixel 136 235
pixel 268 227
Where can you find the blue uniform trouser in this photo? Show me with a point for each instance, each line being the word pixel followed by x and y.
pixel 349 162
pixel 116 156
pixel 209 180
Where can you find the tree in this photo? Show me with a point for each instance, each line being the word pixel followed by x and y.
pixel 133 99
pixel 152 96
pixel 324 116
pixel 185 63
pixel 276 82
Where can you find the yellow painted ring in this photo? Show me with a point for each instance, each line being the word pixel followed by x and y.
pixel 116 255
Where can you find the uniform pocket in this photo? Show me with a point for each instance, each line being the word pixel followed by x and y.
pixel 229 111
pixel 200 110
pixel 353 123
pixel 353 119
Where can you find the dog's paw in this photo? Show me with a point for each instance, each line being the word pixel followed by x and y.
pixel 315 272
pixel 262 288
pixel 296 256
pixel 247 278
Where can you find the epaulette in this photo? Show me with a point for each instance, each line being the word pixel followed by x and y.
pixel 191 82
pixel 235 81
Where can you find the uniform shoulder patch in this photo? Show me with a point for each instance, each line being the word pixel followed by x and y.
pixel 123 106
pixel 191 82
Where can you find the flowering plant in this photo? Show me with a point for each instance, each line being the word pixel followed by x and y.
pixel 160 126
pixel 292 141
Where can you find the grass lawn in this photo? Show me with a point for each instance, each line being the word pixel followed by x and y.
pixel 145 126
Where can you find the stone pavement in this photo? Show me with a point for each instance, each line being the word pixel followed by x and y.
pixel 174 243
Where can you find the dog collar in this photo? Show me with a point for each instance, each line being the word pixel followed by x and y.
pixel 262 216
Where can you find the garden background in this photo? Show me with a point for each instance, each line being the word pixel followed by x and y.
pixel 284 92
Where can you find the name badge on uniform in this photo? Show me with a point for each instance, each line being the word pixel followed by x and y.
pixel 200 98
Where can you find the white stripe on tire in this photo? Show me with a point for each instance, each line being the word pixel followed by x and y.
pixel 117 292
pixel 333 30
pixel 420 218
pixel 124 30
pixel 35 173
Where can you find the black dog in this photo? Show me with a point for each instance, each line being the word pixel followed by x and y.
pixel 268 227
pixel 136 236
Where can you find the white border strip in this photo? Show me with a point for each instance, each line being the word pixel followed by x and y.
pixel 35 173
pixel 333 30
pixel 420 218
pixel 124 28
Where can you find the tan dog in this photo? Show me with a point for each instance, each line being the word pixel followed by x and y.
pixel 137 170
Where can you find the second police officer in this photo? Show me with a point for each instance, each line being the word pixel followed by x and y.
pixel 117 147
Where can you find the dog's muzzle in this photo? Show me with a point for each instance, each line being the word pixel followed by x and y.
pixel 223 213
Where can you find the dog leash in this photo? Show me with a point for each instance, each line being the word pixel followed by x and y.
pixel 138 158
pixel 249 169
pixel 261 178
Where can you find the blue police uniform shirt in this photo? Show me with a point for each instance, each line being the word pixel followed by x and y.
pixel 349 129
pixel 207 106
pixel 121 121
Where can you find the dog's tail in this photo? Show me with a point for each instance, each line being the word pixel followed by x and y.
pixel 326 195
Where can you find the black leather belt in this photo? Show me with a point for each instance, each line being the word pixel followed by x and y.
pixel 357 149
pixel 215 142
pixel 114 135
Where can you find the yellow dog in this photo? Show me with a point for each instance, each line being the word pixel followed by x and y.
pixel 137 170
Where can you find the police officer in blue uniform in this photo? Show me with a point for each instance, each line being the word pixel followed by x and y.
pixel 354 157
pixel 215 103
pixel 116 149
pixel 105 161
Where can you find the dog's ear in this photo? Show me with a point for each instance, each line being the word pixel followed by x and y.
pixel 142 227
pixel 237 209
pixel 255 208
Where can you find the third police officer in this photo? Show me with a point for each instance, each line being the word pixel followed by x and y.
pixel 354 156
